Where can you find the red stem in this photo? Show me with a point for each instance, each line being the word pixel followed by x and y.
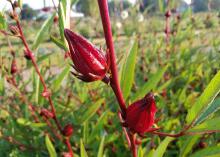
pixel 133 145
pixel 40 76
pixel 114 82
pixel 67 141
pixel 103 7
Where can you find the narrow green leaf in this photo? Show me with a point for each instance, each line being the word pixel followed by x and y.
pixel 82 149
pixel 98 126
pixel 151 84
pixel 50 147
pixel 211 124
pixel 128 71
pixel 161 6
pixel 3 24
pixel 61 13
pixel 205 99
pixel 162 147
pixel 188 144
pixel 207 152
pixel 20 3
pixel 41 34
pixel 101 147
pixel 1 84
pixel 59 43
pixel 91 111
pixel 210 110
pixel 23 122
pixel 59 79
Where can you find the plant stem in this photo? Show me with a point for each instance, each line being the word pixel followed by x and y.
pixel 133 144
pixel 22 37
pixel 67 141
pixel 114 82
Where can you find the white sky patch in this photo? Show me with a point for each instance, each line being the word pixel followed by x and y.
pixel 35 4
pixel 188 1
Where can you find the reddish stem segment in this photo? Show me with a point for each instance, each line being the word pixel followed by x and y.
pixel 114 82
pixel 103 5
pixel 67 142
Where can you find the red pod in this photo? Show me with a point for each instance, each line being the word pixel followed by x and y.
pixel 168 14
pixel 140 115
pixel 90 62
pixel 14 68
pixel 68 130
pixel 46 113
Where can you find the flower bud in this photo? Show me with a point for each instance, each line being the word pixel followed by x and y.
pixel 28 55
pixel 46 113
pixel 14 30
pixel 140 115
pixel 66 154
pixel 68 130
pixel 90 62
pixel 14 68
pixel 46 93
pixel 168 14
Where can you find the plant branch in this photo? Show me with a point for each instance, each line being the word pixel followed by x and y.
pixel 114 82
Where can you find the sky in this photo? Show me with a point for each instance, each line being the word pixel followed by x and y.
pixel 36 4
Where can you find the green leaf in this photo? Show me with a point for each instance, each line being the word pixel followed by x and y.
pixel 59 79
pixel 41 34
pixel 207 152
pixel 210 110
pixel 151 84
pixel 61 13
pixel 3 24
pixel 161 5
pixel 162 147
pixel 91 111
pixel 98 126
pixel 127 77
pixel 188 144
pixel 205 99
pixel 50 147
pixel 82 149
pixel 23 122
pixel 211 124
pixel 59 43
pixel 101 147
pixel 20 3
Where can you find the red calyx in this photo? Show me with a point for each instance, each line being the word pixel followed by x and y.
pixel 90 63
pixel 168 14
pixel 140 115
pixel 68 130
pixel 46 113
pixel 14 68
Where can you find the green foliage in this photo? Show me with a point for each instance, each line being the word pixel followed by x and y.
pixel 185 84
pixel 41 34
pixel 128 70
pixel 206 98
pixel 50 147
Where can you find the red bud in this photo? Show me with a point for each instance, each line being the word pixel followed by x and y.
pixel 68 130
pixel 168 14
pixel 14 68
pixel 90 62
pixel 66 154
pixel 140 114
pixel 46 94
pixel 46 113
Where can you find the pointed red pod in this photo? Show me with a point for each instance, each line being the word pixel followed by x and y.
pixel 14 68
pixel 140 115
pixel 68 130
pixel 90 62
